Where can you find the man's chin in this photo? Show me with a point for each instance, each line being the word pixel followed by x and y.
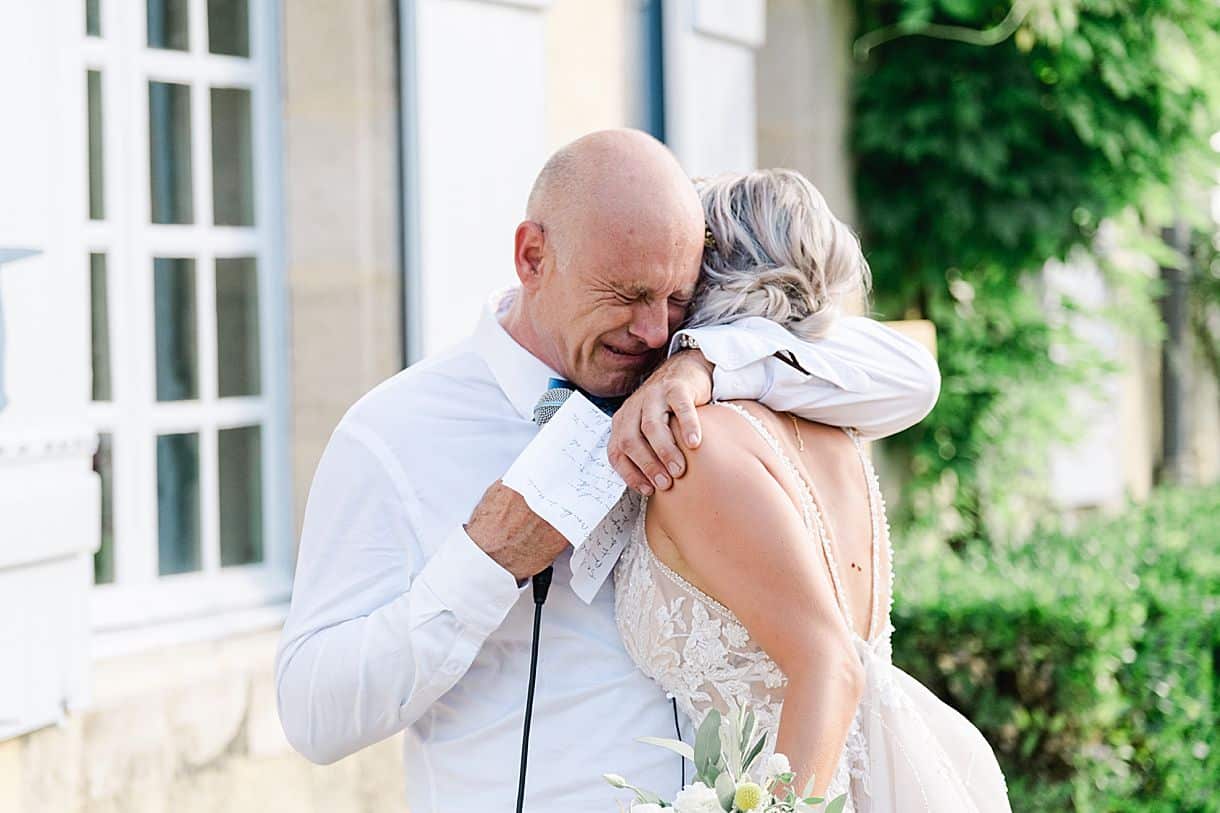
pixel 613 388
pixel 622 383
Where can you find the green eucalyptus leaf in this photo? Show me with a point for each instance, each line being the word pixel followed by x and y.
pixel 753 754
pixel 677 746
pixel 648 796
pixel 707 741
pixel 748 726
pixel 837 805
pixel 725 789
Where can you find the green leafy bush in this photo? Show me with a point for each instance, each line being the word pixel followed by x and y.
pixel 1090 659
pixel 975 165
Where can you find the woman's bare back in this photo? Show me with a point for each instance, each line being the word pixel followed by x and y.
pixel 827 459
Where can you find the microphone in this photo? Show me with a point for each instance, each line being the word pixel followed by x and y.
pixel 548 405
pixel 552 400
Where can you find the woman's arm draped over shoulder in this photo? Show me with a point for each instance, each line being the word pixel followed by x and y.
pixel 861 374
pixel 744 540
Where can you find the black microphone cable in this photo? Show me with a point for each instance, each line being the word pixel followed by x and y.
pixel 678 729
pixel 552 400
pixel 542 585
pixel 557 393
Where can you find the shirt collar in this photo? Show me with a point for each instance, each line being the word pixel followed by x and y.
pixel 519 373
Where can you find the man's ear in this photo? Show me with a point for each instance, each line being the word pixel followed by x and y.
pixel 529 245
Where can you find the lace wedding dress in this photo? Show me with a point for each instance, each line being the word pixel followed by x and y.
pixel 906 749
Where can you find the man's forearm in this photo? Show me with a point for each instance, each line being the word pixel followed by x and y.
pixel 376 632
pixel 342 687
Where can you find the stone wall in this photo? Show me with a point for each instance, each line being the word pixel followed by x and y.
pixel 185 729
pixel 340 121
pixel 804 95
pixel 588 45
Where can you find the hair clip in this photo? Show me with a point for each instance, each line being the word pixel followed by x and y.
pixel 709 239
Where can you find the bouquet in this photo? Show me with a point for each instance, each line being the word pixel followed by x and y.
pixel 724 756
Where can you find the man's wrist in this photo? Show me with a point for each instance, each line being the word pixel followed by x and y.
pixel 693 355
pixel 497 553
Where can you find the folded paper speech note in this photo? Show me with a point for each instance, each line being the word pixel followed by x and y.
pixel 566 478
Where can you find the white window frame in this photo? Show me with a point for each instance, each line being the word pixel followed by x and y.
pixel 210 599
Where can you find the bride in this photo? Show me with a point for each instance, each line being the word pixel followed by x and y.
pixel 763 577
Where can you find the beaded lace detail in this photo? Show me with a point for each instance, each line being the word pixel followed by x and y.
pixel 701 654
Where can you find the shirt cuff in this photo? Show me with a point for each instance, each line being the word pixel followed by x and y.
pixel 470 584
pixel 726 346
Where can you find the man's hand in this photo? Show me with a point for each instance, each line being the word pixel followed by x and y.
pixel 642 448
pixel 522 542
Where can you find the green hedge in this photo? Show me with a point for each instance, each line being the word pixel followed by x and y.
pixel 1089 658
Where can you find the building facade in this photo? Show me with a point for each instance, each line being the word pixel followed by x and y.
pixel 221 222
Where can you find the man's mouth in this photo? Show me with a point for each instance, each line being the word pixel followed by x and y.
pixel 628 356
pixel 618 352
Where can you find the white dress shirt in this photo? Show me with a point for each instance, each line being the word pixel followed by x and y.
pixel 400 622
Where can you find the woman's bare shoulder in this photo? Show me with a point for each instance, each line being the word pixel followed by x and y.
pixel 724 422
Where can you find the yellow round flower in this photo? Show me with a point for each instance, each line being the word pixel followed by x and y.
pixel 749 795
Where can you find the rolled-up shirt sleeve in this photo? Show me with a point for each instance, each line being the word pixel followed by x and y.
pixel 379 627
pixel 861 374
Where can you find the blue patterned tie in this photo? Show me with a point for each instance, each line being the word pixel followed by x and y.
pixel 607 404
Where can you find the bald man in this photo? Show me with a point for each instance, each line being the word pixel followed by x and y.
pixel 411 608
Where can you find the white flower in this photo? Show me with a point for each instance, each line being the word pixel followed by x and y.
pixel 646 807
pixel 615 780
pixel 697 798
pixel 777 764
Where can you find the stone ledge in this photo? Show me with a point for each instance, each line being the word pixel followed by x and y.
pixel 189 728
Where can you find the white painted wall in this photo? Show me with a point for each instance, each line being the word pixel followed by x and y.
pixel 710 105
pixel 480 130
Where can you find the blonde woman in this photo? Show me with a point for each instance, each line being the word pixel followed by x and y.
pixel 763 576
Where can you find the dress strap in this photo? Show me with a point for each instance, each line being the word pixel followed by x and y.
pixel 811 515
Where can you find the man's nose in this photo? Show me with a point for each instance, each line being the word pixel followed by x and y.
pixel 650 323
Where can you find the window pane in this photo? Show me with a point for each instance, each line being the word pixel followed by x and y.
pixel 232 158
pixel 241 496
pixel 103 464
pixel 97 188
pixel 237 346
pixel 174 321
pixel 167 24
pixel 228 27
pixel 93 18
pixel 177 503
pixel 99 327
pixel 169 152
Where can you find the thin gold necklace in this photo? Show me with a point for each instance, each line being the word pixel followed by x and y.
pixel 796 428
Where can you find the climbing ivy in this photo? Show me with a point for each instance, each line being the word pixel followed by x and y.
pixel 978 163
